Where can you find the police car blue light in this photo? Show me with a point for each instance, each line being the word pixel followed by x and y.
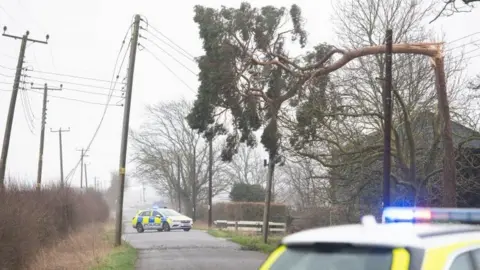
pixel 421 215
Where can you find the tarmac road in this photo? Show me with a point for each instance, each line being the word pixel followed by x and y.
pixel 187 250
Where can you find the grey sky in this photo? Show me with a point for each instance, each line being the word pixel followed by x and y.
pixel 85 37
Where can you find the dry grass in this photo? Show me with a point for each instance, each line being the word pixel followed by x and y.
pixel 34 221
pixel 80 250
pixel 200 225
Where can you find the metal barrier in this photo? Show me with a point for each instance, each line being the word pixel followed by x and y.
pixel 249 226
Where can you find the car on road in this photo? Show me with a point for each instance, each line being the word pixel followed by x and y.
pixel 407 239
pixel 161 219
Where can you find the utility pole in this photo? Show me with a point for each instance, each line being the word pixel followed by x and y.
pixel 387 109
pixel 82 155
pixel 60 130
pixel 86 178
pixel 268 196
pixel 179 175
pixel 13 100
pixel 42 130
pixel 210 175
pixel 126 121
pixel 194 184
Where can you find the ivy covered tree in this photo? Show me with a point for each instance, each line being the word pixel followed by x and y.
pixel 246 72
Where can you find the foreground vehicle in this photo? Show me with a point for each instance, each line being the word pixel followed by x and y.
pixel 161 220
pixel 408 239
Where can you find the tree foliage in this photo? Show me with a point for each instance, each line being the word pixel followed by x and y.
pixel 233 80
pixel 243 192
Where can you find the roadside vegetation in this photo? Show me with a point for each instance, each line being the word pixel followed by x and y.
pixel 118 258
pixel 33 222
pixel 248 241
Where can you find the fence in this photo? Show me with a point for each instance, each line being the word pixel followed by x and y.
pixel 249 226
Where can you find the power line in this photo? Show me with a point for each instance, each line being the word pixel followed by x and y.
pixel 464 37
pixel 171 56
pixel 188 56
pixel 89 92
pixel 30 123
pixel 473 42
pixel 178 46
pixel 112 86
pixel 78 100
pixel 73 83
pixel 8 76
pixel 71 76
pixel 168 68
pixel 83 91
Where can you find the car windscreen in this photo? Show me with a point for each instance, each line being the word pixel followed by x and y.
pixel 169 212
pixel 333 257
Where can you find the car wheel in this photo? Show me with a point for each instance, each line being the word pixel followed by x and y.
pixel 140 228
pixel 166 227
pixel 186 230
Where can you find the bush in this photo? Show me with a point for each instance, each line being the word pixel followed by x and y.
pixel 249 211
pixel 31 220
pixel 242 192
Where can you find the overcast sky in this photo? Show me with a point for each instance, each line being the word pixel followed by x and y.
pixel 85 38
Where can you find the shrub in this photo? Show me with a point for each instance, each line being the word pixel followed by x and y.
pixel 33 219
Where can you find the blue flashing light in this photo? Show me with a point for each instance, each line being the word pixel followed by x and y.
pixel 406 214
pixel 422 215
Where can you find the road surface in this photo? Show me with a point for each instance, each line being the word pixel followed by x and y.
pixel 187 250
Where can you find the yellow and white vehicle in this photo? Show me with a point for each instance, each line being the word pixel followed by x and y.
pixel 161 219
pixel 407 239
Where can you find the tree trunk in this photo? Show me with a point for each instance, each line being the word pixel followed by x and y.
pixel 449 198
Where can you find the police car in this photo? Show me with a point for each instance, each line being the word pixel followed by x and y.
pixel 161 219
pixel 407 239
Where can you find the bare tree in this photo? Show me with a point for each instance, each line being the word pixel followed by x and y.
pixel 164 144
pixel 246 167
pixel 347 138
pixel 306 183
pixel 450 7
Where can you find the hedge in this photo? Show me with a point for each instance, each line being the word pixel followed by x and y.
pixel 248 211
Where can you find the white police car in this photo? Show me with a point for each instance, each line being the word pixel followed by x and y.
pixel 407 239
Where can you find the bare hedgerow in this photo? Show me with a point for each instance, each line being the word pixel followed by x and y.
pixel 34 219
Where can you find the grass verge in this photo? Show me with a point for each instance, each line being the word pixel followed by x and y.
pixel 248 241
pixel 88 248
pixel 121 258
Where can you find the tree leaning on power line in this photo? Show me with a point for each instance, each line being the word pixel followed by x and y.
pixel 337 134
pixel 245 54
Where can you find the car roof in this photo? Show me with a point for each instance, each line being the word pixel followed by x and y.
pixel 388 235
